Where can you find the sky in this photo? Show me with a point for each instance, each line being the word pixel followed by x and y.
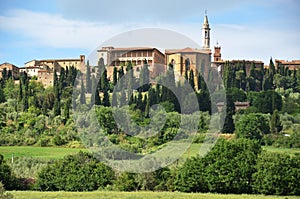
pixel 245 29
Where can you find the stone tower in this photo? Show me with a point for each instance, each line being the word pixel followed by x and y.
pixel 205 34
pixel 217 53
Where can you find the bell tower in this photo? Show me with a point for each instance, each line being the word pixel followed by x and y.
pixel 205 33
pixel 217 53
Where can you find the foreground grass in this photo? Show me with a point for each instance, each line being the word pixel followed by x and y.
pixel 45 153
pixel 136 195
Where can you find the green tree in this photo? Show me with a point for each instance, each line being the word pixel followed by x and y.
pixel 105 101
pixel 79 172
pixel 144 77
pixel 6 176
pixel 88 78
pixel 229 111
pixel 115 76
pixel 82 93
pixel 252 126
pixel 2 96
pixel 192 79
pixel 277 174
pixel 97 97
pixel 275 123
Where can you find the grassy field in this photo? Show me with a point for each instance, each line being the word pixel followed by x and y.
pixel 56 152
pixel 37 152
pixel 291 151
pixel 136 195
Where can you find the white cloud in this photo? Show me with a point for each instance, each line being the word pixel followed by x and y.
pixel 238 42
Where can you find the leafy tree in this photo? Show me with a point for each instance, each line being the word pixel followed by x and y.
pixel 79 172
pixel 252 126
pixel 265 101
pixel 227 168
pixel 277 174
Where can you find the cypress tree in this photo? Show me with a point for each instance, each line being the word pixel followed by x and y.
pixel 97 97
pixel 2 96
pixel 144 77
pixel 230 111
pixel 114 100
pixel 192 79
pixel 147 108
pixel 88 78
pixel 67 110
pixel 275 124
pixel 115 76
pixel 104 81
pixel 105 101
pixel 20 91
pixel 82 93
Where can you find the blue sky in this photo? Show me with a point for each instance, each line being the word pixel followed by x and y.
pixel 249 29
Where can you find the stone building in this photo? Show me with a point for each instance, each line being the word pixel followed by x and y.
pixel 9 67
pixel 219 63
pixel 57 64
pixel 117 57
pixel 187 59
pixel 294 64
pixel 46 77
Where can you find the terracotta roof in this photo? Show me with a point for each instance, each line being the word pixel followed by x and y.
pixel 184 50
pixel 288 62
pixel 129 49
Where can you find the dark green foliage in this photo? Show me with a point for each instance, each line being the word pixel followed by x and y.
pixel 79 172
pixel 144 77
pixel 97 97
pixel 277 174
pixel 275 124
pixel 192 79
pixel 227 168
pixel 229 110
pixel 88 78
pixel 3 193
pixel 115 76
pixel 82 93
pixel 105 101
pixel 252 126
pixel 238 95
pixel 265 101
pixel 6 176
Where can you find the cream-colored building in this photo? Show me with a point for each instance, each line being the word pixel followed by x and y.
pixel 117 57
pixel 187 59
pixel 57 64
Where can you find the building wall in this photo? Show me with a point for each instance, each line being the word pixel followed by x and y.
pixel 10 67
pixel 198 62
pixel 46 77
